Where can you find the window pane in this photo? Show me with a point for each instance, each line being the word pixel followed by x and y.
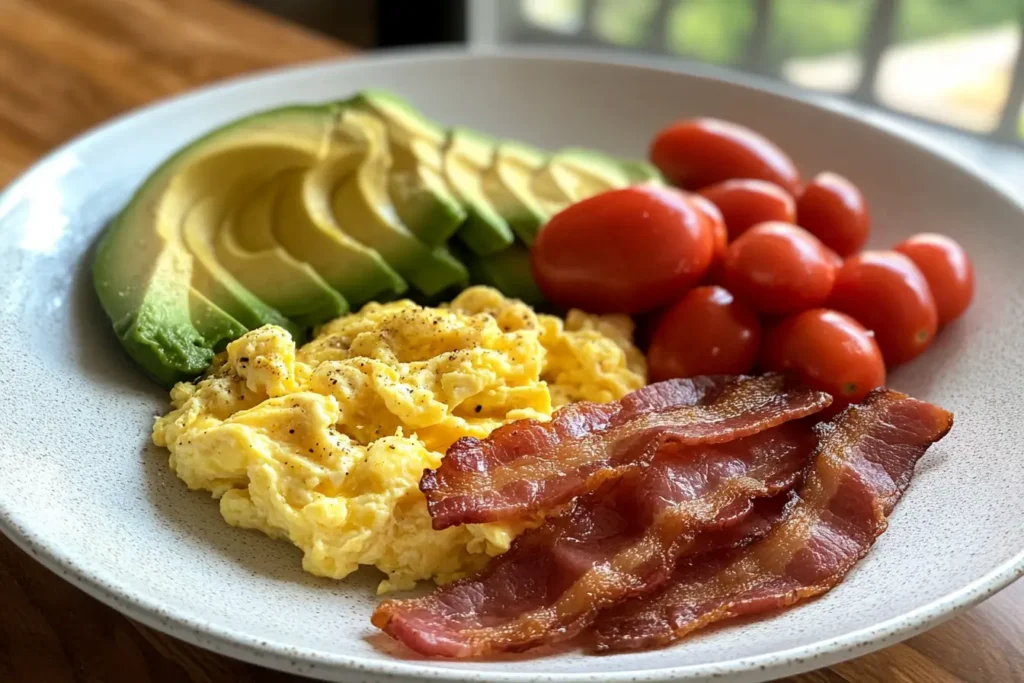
pixel 711 30
pixel 952 61
pixel 817 43
pixel 624 22
pixel 562 16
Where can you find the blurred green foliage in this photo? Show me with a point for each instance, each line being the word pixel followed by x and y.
pixel 926 18
pixel 624 22
pixel 710 30
pixel 808 28
pixel 718 30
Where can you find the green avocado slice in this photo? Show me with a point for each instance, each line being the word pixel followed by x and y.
pixel 551 188
pixel 641 172
pixel 306 226
pixel 173 330
pixel 199 227
pixel 574 174
pixel 585 173
pixel 247 247
pixel 509 272
pixel 507 184
pixel 424 203
pixel 467 156
pixel 363 209
pixel 154 272
pixel 421 195
pixel 405 124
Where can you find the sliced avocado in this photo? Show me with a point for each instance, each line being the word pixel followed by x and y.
pixel 467 156
pixel 416 186
pixel 509 272
pixel 364 211
pixel 164 299
pixel 507 184
pixel 173 331
pixel 404 122
pixel 199 229
pixel 641 172
pixel 247 247
pixel 587 172
pixel 217 328
pixel 305 225
pixel 424 203
pixel 551 189
pixel 573 174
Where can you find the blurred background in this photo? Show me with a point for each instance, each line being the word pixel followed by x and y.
pixel 955 63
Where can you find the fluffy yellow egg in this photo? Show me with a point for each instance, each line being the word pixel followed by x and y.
pixel 325 445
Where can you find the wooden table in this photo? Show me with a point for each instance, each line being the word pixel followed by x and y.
pixel 66 65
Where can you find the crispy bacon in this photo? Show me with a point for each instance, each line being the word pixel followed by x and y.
pixel 764 514
pixel 528 466
pixel 621 541
pixel 864 463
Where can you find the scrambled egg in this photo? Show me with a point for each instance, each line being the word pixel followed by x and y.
pixel 325 445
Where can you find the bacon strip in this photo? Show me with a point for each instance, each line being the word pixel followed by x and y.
pixel 621 541
pixel 764 515
pixel 864 463
pixel 529 466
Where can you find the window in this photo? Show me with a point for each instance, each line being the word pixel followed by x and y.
pixel 956 62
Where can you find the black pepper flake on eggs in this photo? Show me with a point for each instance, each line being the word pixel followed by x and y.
pixel 478 408
pixel 291 431
pixel 310 450
pixel 244 359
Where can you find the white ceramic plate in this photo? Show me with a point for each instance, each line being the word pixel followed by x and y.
pixel 82 489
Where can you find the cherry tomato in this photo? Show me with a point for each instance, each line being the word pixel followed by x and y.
pixel 948 270
pixel 833 210
pixel 744 203
pixel 779 269
pixel 695 153
pixel 829 351
pixel 719 233
pixel 887 294
pixel 623 251
pixel 835 258
pixel 708 332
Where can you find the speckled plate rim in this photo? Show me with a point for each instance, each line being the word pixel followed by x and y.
pixel 196 630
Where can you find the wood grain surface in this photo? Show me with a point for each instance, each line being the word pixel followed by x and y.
pixel 66 65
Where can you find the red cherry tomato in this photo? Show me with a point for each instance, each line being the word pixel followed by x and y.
pixel 832 209
pixel 719 234
pixel 835 258
pixel 948 270
pixel 744 203
pixel 696 153
pixel 708 332
pixel 886 292
pixel 829 351
pixel 624 251
pixel 779 269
